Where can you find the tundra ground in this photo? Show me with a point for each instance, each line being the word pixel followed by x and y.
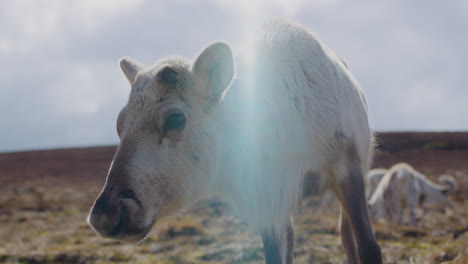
pixel 45 197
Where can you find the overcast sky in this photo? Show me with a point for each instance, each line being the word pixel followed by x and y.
pixel 60 84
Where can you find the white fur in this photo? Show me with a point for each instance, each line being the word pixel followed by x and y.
pixel 374 176
pixel 282 139
pixel 401 187
pixel 293 109
pixel 449 181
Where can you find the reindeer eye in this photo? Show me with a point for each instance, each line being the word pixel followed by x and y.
pixel 169 76
pixel 175 122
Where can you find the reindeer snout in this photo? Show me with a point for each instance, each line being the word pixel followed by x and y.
pixel 105 216
pixel 101 206
pixel 114 216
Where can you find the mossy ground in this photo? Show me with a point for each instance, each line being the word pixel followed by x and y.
pixel 43 222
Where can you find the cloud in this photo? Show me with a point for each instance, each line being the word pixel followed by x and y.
pixel 27 24
pixel 61 85
pixel 397 47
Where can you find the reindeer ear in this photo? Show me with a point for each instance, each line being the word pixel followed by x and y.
pixel 214 70
pixel 130 67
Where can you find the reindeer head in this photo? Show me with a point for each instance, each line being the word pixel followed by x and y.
pixel 450 182
pixel 167 149
pixel 432 194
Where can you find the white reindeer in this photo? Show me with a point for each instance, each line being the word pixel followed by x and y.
pixel 450 182
pixel 401 187
pixel 189 131
pixel 374 177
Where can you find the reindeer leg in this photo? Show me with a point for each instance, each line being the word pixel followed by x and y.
pixel 279 246
pixel 412 210
pixel 290 241
pixel 271 247
pixel 349 187
pixel 397 217
pixel 347 239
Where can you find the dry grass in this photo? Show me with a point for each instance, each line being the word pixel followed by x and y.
pixel 40 225
pixel 42 219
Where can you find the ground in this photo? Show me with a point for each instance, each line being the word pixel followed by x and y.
pixel 45 197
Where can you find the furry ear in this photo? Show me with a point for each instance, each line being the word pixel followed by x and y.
pixel 214 70
pixel 130 67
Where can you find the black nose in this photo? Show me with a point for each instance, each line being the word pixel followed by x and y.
pixel 130 195
pixel 108 216
pixel 123 220
pixel 102 206
pixel 103 203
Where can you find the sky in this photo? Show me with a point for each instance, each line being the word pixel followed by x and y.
pixel 61 86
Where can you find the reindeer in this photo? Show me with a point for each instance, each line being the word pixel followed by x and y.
pixel 402 186
pixel 374 176
pixel 248 133
pixel 450 182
